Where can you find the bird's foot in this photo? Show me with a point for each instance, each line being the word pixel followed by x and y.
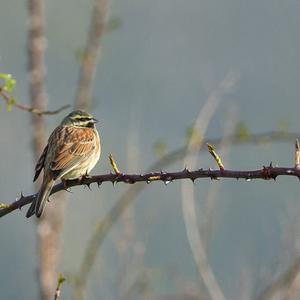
pixel 85 176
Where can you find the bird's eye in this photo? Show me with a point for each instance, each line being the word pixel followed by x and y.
pixel 85 119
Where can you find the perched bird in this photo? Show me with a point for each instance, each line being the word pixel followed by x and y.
pixel 72 151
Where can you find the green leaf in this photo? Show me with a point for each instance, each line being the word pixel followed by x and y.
pixel 60 279
pixel 10 103
pixel 5 76
pixel 9 82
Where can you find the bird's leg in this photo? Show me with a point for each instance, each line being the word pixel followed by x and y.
pixel 85 176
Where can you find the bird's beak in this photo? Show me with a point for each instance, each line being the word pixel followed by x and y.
pixel 94 120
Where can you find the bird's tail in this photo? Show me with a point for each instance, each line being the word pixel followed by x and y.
pixel 38 204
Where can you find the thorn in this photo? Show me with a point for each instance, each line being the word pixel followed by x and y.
pixel 99 183
pixel 266 172
pixel 186 170
pixel 88 185
pixel 22 196
pixel 2 205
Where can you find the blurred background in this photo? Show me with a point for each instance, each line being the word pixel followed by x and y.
pixel 160 65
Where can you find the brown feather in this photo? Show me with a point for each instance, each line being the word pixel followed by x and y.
pixel 78 142
pixel 40 164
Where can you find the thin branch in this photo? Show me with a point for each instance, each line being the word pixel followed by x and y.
pixel 60 281
pixel 91 54
pixel 216 156
pixel 266 173
pixel 11 102
pixel 113 164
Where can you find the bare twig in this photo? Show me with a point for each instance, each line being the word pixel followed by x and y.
pixel 209 207
pixel 216 157
pixel 113 164
pixel 7 98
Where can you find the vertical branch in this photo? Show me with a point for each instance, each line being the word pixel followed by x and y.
pixel 91 54
pixel 37 71
pixel 49 227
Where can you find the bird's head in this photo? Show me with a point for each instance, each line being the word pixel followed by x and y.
pixel 79 118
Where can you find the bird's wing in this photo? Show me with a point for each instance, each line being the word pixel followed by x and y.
pixel 71 146
pixel 40 164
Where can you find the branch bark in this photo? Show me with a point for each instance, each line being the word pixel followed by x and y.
pixel 265 173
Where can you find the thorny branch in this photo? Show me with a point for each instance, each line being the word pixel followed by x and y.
pixel 105 224
pixel 11 102
pixel 265 173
